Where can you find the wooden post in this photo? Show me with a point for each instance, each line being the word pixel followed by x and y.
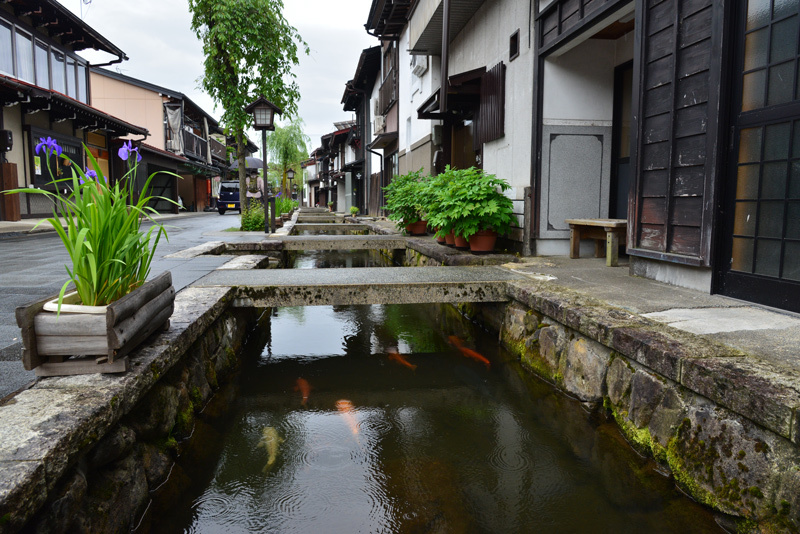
pixel 574 242
pixel 10 203
pixel 612 247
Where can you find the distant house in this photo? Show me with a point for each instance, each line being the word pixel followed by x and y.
pixel 45 91
pixel 184 139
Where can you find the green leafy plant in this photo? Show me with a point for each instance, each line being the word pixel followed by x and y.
pixel 110 254
pixel 353 210
pixel 253 217
pixel 467 201
pixel 406 198
pixel 284 204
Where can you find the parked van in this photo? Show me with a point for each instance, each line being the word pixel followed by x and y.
pixel 228 197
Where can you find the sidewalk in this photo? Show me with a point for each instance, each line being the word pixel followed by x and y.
pixel 37 226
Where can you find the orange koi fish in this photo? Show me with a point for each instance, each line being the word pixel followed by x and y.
pixel 345 408
pixel 469 353
pixel 304 388
pixel 455 341
pixel 397 357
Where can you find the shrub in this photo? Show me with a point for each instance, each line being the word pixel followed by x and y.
pixel 353 210
pixel 467 201
pixel 253 217
pixel 405 198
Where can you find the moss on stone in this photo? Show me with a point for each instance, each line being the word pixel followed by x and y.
pixel 5 519
pixel 184 420
pixel 196 396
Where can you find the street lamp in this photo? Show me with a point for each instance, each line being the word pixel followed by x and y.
pixel 263 112
pixel 290 176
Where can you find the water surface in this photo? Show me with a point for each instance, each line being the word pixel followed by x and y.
pixel 450 445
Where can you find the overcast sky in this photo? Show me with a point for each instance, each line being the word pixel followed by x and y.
pixel 163 50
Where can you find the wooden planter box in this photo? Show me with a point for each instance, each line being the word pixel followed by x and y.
pixel 82 343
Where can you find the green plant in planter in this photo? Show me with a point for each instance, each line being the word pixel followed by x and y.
pixel 406 198
pixel 353 210
pixel 469 200
pixel 110 254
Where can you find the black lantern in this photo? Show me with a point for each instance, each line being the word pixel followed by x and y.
pixel 290 174
pixel 263 112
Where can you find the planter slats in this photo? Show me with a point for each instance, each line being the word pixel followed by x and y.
pixel 104 340
pixel 66 345
pixel 121 309
pixel 82 366
pixel 47 324
pixel 121 333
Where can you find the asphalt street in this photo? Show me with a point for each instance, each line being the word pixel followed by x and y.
pixel 32 267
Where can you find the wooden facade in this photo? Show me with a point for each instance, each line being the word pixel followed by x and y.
pixel 678 69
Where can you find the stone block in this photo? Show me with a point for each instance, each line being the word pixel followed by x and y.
pixel 618 382
pixel 154 417
pixel 667 416
pixel 23 489
pixel 585 365
pixel 116 444
pixel 552 342
pixel 727 462
pixel 747 387
pixel 57 516
pixel 649 348
pixel 646 394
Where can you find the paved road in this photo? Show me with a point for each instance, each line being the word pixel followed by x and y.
pixel 32 267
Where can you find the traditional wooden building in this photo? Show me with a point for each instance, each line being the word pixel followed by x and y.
pixel 45 91
pixel 184 139
pixel 677 117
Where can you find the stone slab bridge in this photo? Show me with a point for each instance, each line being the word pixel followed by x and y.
pixel 368 285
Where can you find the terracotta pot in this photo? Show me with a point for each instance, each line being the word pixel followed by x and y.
pixel 441 240
pixel 450 239
pixel 482 242
pixel 461 243
pixel 417 228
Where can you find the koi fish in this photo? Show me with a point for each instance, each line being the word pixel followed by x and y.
pixel 469 353
pixel 304 388
pixel 455 341
pixel 345 408
pixel 270 440
pixel 397 357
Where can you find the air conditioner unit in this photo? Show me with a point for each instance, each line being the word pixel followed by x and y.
pixel 376 108
pixel 380 123
pixel 419 64
pixel 172 145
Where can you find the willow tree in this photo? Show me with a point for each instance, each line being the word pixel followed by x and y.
pixel 288 148
pixel 250 51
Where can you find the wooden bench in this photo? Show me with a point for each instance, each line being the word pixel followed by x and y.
pixel 613 231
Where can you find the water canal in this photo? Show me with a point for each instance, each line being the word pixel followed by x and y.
pixel 387 418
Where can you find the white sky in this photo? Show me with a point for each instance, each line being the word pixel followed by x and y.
pixel 156 36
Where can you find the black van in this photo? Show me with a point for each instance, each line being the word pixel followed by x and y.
pixel 228 197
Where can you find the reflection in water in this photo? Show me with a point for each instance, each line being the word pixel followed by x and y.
pixel 330 259
pixel 454 446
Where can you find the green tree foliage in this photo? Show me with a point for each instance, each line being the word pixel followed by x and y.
pixel 250 51
pixel 287 147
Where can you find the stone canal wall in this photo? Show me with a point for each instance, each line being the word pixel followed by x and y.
pixel 724 426
pixel 83 453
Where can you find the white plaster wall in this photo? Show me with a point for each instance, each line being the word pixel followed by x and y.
pixel 579 85
pixel 484 42
pixel 412 92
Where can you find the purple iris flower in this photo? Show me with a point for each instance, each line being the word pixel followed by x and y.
pixel 279 194
pixel 91 174
pixel 49 145
pixel 125 152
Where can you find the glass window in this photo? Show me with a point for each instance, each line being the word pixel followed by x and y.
pixel 42 65
pixel 57 65
pixel 6 50
pixel 24 54
pixel 72 89
pixel 82 93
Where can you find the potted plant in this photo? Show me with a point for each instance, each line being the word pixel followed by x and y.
pixel 353 211
pixel 112 308
pixel 405 201
pixel 471 203
pixel 330 206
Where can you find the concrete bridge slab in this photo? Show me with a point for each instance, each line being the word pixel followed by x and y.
pixel 343 242
pixel 369 285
